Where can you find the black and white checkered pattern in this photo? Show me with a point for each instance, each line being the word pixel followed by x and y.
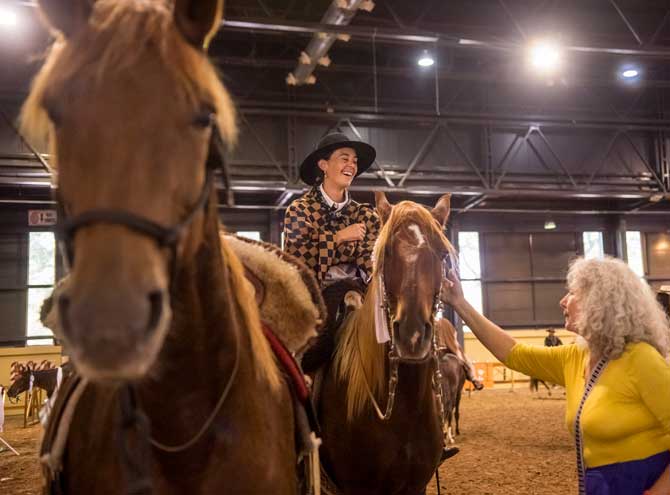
pixel 310 226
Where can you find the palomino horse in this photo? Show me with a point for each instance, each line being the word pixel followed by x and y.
pixel 132 107
pixel 395 452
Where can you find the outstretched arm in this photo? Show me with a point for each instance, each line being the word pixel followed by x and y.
pixel 494 338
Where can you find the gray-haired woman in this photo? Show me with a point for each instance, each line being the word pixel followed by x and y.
pixel 617 379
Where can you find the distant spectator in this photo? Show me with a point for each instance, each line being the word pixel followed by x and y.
pixel 552 340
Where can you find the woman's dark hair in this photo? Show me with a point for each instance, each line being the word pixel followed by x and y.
pixel 319 173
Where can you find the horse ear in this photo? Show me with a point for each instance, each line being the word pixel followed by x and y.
pixel 442 209
pixel 383 206
pixel 198 20
pixel 66 16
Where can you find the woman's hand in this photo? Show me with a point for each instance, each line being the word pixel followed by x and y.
pixel 452 291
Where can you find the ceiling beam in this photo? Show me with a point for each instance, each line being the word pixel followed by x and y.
pixel 408 36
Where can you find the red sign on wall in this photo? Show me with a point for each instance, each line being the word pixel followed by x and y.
pixel 42 218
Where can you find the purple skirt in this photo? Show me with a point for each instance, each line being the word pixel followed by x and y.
pixel 626 478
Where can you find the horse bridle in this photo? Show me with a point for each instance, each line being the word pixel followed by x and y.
pixel 135 460
pixel 165 237
pixel 394 359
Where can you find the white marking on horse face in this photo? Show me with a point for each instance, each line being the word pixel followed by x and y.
pixel 415 338
pixel 416 230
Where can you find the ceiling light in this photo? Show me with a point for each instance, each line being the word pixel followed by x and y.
pixel 549 224
pixel 426 60
pixel 544 56
pixel 7 17
pixel 630 73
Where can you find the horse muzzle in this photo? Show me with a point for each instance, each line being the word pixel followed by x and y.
pixel 114 335
pixel 413 340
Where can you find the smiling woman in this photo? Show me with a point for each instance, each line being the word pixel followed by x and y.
pixel 326 229
pixel 617 382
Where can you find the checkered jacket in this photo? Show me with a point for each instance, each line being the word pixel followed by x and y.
pixel 310 226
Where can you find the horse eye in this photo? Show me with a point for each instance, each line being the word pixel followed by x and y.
pixel 204 118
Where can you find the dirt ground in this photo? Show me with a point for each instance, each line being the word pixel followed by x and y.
pixel 20 475
pixel 512 443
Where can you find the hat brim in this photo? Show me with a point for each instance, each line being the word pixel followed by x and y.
pixel 309 168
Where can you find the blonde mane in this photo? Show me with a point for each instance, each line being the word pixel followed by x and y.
pixel 359 360
pixel 118 35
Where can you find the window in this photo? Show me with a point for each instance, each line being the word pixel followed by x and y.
pixel 634 252
pixel 470 270
pixel 41 278
pixel 593 245
pixel 254 235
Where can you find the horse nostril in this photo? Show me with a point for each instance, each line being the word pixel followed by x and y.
pixel 156 307
pixel 396 327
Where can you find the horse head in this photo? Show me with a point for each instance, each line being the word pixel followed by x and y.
pixel 135 201
pixel 411 255
pixel 20 383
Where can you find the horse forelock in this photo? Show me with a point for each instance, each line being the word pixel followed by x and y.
pixel 119 34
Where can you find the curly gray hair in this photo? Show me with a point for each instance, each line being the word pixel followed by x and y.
pixel 616 307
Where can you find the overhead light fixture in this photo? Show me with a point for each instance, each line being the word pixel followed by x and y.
pixel 549 224
pixel 630 73
pixel 544 56
pixel 425 60
pixel 8 18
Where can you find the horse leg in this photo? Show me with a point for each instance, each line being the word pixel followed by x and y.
pixel 457 412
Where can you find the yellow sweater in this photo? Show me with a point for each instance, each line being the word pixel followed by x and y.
pixel 627 415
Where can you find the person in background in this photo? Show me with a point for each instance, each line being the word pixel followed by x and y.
pixel 617 377
pixel 552 339
pixel 326 229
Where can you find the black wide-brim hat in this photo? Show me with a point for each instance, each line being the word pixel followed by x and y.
pixel 309 169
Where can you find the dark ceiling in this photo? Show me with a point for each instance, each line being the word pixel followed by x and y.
pixel 478 123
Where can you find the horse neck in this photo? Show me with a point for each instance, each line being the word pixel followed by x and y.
pixel 199 352
pixel 46 379
pixel 415 382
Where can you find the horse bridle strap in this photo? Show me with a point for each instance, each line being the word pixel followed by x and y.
pixel 164 236
pixel 394 359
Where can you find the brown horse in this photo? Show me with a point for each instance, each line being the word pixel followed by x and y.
pixel 133 107
pixel 362 453
pixel 45 378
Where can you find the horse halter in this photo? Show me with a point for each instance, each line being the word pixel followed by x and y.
pixel 165 237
